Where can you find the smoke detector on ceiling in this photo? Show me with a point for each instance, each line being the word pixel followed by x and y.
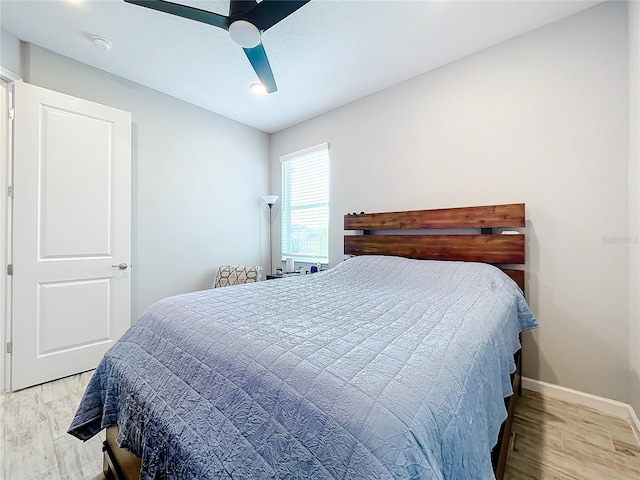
pixel 101 43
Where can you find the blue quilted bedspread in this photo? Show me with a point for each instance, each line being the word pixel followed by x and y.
pixel 379 368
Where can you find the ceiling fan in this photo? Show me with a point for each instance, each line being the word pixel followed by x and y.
pixel 245 23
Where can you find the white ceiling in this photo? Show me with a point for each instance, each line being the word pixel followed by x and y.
pixel 327 54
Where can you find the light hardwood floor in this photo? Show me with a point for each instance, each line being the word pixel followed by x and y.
pixel 561 441
pixel 552 439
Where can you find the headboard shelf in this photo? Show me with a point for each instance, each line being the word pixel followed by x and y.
pixel 490 216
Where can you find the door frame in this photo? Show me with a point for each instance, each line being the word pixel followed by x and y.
pixel 8 79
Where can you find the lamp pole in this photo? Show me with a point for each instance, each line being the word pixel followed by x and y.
pixel 271 201
pixel 270 251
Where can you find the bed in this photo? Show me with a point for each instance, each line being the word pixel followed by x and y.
pixel 384 366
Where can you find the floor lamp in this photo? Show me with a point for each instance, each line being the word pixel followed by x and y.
pixel 271 201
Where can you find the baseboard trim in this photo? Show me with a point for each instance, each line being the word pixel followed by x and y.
pixel 635 422
pixel 601 404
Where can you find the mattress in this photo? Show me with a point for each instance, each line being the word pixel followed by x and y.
pixel 381 367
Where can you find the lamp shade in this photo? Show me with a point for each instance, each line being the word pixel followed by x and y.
pixel 270 199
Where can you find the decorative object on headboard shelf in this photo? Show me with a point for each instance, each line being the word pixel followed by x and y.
pixel 487 247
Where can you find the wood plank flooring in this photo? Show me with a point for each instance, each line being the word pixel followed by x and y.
pixel 560 441
pixel 552 439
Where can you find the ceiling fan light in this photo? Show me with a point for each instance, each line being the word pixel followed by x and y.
pixel 244 33
pixel 258 88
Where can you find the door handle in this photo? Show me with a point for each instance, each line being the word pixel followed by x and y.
pixel 122 266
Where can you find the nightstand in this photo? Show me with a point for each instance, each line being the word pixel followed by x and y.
pixel 273 276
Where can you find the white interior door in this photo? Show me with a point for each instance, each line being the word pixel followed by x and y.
pixel 71 230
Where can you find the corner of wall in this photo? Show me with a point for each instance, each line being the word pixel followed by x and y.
pixel 634 201
pixel 25 61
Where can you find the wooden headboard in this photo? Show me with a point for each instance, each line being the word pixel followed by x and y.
pixel 487 246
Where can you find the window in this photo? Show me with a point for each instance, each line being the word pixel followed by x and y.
pixel 305 204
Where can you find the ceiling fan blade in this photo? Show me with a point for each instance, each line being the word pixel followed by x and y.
pixel 184 11
pixel 269 12
pixel 240 6
pixel 258 58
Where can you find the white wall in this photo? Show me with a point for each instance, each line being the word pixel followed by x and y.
pixel 197 180
pixel 10 53
pixel 634 202
pixel 540 119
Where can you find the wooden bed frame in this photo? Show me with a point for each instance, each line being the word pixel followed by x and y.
pixel 486 246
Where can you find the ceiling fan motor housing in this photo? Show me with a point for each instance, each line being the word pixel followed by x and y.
pixel 244 33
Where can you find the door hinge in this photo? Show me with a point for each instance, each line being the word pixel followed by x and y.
pixel 10 269
pixel 10 191
pixel 9 347
pixel 12 113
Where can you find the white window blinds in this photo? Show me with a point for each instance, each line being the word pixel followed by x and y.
pixel 305 204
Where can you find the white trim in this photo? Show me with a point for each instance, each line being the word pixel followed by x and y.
pixel 8 76
pixel 601 404
pixel 9 79
pixel 4 160
pixel 288 156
